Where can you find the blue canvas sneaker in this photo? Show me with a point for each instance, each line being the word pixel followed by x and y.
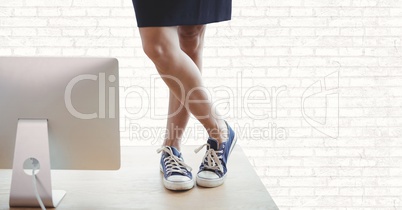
pixel 176 174
pixel 213 169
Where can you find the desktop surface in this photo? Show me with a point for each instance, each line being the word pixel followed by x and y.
pixel 138 185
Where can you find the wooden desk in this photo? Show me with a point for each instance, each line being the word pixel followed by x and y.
pixel 138 185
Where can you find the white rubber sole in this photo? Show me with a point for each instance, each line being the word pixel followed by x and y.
pixel 215 182
pixel 210 182
pixel 176 186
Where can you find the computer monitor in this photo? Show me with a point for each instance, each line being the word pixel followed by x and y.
pixel 60 111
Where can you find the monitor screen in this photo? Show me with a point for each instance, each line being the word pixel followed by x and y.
pixel 79 98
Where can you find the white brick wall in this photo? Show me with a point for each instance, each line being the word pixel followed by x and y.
pixel 353 163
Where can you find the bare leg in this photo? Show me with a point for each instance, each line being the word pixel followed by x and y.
pixel 182 76
pixel 191 42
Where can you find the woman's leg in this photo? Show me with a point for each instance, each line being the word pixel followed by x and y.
pixel 180 73
pixel 191 42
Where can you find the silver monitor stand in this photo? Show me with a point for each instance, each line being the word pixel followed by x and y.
pixel 32 141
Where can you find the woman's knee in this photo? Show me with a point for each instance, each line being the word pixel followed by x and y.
pixel 191 32
pixel 158 43
pixel 191 38
pixel 154 51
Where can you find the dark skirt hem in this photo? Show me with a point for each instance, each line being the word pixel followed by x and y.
pixel 159 13
pixel 183 23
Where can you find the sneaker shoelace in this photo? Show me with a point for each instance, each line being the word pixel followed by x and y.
pixel 212 158
pixel 174 163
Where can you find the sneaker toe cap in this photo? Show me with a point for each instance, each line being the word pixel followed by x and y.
pixel 178 178
pixel 207 175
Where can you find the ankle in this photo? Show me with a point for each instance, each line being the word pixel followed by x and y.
pixel 172 143
pixel 220 134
